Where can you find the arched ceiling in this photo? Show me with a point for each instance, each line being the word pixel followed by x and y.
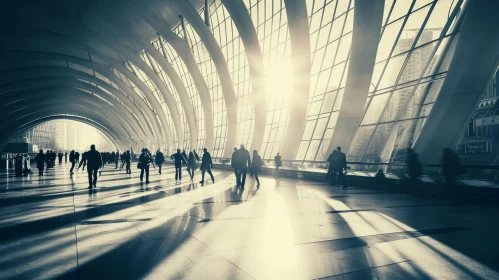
pixel 132 70
pixel 41 41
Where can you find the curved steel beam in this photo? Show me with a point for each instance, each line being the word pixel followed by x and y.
pixel 70 87
pixel 109 136
pixel 368 17
pixel 46 96
pixel 296 11
pixel 101 69
pixel 156 20
pixel 181 92
pixel 76 103
pixel 107 31
pixel 14 127
pixel 33 120
pixel 185 54
pixel 82 112
pixel 95 46
pixel 185 9
pixel 61 81
pixel 242 20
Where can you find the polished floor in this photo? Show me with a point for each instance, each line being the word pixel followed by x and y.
pixel 54 227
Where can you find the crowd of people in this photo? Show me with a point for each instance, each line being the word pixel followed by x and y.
pixel 241 162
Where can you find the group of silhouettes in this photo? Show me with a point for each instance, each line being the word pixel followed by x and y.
pixel 241 162
pixel 450 167
pixel 337 168
pixel 45 160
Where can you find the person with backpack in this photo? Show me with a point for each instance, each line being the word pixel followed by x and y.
pixel 145 160
pixel 159 159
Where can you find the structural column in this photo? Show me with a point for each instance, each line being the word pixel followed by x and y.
pixel 241 17
pixel 299 34
pixel 368 16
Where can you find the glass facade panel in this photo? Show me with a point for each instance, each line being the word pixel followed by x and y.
pixel 412 43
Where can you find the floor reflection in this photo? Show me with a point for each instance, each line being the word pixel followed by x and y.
pixel 286 229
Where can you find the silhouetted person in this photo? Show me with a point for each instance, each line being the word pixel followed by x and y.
pixel 94 162
pixel 413 166
pixel 40 162
pixel 340 167
pixel 278 164
pixel 127 159
pixel 451 167
pixel 160 158
pixel 83 161
pixel 77 157
pixel 330 170
pixel 256 166
pixel 196 155
pixel 233 165
pixel 191 165
pixel 206 165
pixel 184 154
pixel 145 160
pixel 66 157
pixel 112 157
pixel 72 159
pixel 116 159
pixel 59 155
pixel 242 163
pixel 179 159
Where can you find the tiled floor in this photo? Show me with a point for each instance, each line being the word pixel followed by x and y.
pixel 55 227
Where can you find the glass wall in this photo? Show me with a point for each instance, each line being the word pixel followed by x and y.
pixel 185 76
pixel 227 36
pixel 271 23
pixel 408 72
pixel 331 24
pixel 210 75
pixel 414 38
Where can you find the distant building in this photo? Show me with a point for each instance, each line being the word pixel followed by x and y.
pixel 480 142
pixel 42 135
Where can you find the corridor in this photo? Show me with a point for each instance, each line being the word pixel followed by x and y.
pixel 57 228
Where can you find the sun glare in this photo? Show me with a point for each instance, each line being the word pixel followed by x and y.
pixel 280 80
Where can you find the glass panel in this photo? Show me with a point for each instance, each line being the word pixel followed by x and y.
pixel 375 109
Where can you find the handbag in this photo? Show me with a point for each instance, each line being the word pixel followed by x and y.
pixel 139 165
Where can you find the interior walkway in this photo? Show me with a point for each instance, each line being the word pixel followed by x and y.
pixel 56 228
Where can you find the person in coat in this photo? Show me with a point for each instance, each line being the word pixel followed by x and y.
pixel 413 167
pixel 184 154
pixel 145 160
pixel 233 165
pixel 331 168
pixel 127 160
pixel 159 159
pixel 94 162
pixel 340 167
pixel 179 159
pixel 242 163
pixel 72 159
pixel 256 166
pixel 278 164
pixel 191 165
pixel 451 167
pixel 40 162
pixel 206 165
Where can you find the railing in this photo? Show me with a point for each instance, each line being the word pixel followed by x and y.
pixel 394 169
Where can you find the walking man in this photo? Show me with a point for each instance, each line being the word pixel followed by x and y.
pixel 94 162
